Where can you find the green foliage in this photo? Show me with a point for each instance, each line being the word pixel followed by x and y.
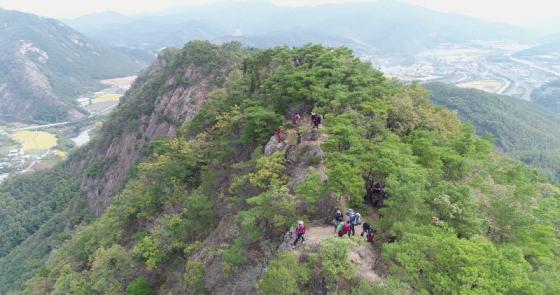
pixel 548 96
pixel 437 262
pixel 259 124
pixel 333 255
pixel 30 257
pixel 194 277
pixel 268 169
pixel 236 254
pixel 139 287
pixel 71 282
pixel 28 201
pixel 272 212
pixel 459 218
pixel 285 276
pixel 391 287
pixel 111 268
pixel 150 251
pixel 311 189
pixel 523 129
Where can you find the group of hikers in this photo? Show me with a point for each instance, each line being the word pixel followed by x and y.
pixel 315 122
pixel 349 227
pixel 341 227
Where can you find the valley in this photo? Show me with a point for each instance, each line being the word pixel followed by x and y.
pixel 489 66
pixel 182 151
pixel 30 147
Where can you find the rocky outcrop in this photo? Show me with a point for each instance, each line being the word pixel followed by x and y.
pixel 273 146
pixel 184 92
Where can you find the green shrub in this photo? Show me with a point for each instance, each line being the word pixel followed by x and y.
pixel 285 276
pixel 194 277
pixel 139 287
pixel 333 255
pixel 235 254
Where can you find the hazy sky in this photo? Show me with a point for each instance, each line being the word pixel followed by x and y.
pixel 512 11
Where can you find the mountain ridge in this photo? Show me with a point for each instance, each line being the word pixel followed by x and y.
pixel 206 201
pixel 263 24
pixel 45 65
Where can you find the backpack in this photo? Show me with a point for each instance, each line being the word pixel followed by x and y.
pixel 353 218
pixel 358 219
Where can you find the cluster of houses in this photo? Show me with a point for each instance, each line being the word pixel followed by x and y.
pixel 14 161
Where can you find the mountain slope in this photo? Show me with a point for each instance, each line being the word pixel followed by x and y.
pixel 44 65
pixel 206 201
pixel 548 96
pixel 164 95
pixel 523 129
pixel 382 27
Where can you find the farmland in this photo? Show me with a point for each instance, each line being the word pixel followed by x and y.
pixel 108 97
pixel 492 86
pixel 34 141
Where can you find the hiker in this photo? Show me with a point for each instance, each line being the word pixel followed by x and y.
pixel 313 116
pixel 318 120
pixel 353 220
pixel 315 120
pixel 338 218
pixel 368 230
pixel 300 231
pixel 343 228
pixel 377 187
pixel 296 62
pixel 370 235
pixel 365 227
pixel 279 135
pixel 297 118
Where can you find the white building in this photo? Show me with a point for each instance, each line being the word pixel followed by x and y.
pixel 84 101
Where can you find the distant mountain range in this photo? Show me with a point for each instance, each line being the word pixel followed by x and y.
pixel 45 64
pixel 383 27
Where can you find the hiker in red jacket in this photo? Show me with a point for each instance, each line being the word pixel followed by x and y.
pixel 300 231
pixel 297 119
pixel 345 229
pixel 279 135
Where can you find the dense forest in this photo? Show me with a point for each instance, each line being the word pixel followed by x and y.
pixel 524 130
pixel 548 96
pixel 206 212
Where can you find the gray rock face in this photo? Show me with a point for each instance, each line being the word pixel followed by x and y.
pixel 310 136
pixel 179 104
pixel 274 146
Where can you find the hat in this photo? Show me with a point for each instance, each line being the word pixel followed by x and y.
pixel 300 222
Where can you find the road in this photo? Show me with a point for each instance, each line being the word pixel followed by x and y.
pixel 534 66
pixel 37 127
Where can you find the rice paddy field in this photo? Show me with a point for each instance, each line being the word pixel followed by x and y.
pixel 35 140
pixel 492 86
pixel 109 97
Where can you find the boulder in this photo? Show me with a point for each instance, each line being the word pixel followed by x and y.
pixel 274 146
pixel 312 135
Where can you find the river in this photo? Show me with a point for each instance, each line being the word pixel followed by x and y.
pixel 83 137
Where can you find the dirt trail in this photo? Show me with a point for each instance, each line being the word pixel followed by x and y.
pixel 366 256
